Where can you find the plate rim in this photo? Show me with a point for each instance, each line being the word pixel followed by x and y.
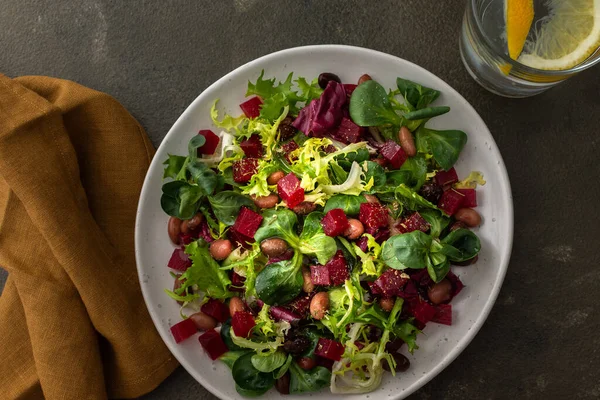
pixel 500 275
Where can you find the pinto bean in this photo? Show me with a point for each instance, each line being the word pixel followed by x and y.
pixel 470 217
pixel 306 363
pixel 275 177
pixel 220 249
pixel 407 141
pixel 440 292
pixel 363 78
pixel 273 247
pixel 195 221
pixel 236 304
pixel 387 304
pixel 174 229
pixel 307 285
pixel 266 201
pixel 202 321
pixel 354 230
pixel 319 305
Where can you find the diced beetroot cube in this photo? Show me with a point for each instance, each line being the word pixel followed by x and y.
pixel 213 344
pixel 301 304
pixel 470 199
pixel 334 222
pixel 247 223
pixel 244 169
pixel 283 314
pixel 423 311
pixel 287 148
pixel 451 201
pixel 319 275
pixel 413 222
pixel 329 349
pixel 242 323
pixel 204 232
pixel 179 260
pixel 444 178
pixel 212 141
pixel 239 239
pixel 183 330
pixel 373 215
pixel 324 362
pixel 338 269
pixel 363 243
pixel 391 283
pixel 252 147
pixel 215 309
pixel 289 190
pixel 457 284
pixel 443 314
pixel 347 132
pixel 349 87
pixel 393 154
pixel 421 278
pixel 252 107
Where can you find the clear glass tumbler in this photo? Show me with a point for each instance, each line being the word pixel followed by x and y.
pixel 484 52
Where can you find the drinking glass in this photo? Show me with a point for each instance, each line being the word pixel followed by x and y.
pixel 483 50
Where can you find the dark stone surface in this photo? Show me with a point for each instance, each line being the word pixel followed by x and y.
pixel 541 339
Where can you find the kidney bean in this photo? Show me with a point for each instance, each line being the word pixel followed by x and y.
pixel 174 229
pixel 283 384
pixel 306 363
pixel 184 227
pixel 275 177
pixel 387 304
pixel 304 208
pixel 273 247
pixel 319 305
pixel 469 216
pixel 407 142
pixel 266 201
pixel 195 221
pixel 440 292
pixel 325 77
pixel 220 249
pixel 307 285
pixel 354 230
pixel 363 78
pixel 202 321
pixel 236 304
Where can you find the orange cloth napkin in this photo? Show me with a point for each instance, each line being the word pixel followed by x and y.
pixel 73 323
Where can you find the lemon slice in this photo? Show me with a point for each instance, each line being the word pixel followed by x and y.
pixel 519 16
pixel 566 37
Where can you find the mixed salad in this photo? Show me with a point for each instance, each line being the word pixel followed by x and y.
pixel 318 229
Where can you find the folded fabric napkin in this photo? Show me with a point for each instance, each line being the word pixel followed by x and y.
pixel 73 323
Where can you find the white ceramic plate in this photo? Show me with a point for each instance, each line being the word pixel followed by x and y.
pixel 439 345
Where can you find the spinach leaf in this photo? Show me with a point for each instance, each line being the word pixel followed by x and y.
pixel 248 378
pixel 226 336
pixel 205 177
pixel 345 160
pixel 370 106
pixel 408 250
pixel 337 174
pixel 437 221
pixel 278 223
pixel 349 203
pixel 302 381
pixel 415 168
pixel 312 335
pixel 269 362
pixel 426 113
pixel 174 164
pixel 280 282
pixel 416 96
pixel 284 368
pixel 412 199
pixel 226 205
pixel 194 144
pixel 231 357
pixel 314 241
pixel 465 241
pixel 397 177
pixel 375 171
pixel 437 262
pixel 444 145
pixel 180 199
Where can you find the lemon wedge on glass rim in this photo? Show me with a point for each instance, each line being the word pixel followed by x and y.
pixel 565 38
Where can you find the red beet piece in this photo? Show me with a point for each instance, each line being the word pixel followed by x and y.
pixel 212 141
pixel 457 284
pixel 444 178
pixel 237 282
pixel 183 330
pixel 413 222
pixel 247 223
pixel 390 283
pixel 349 87
pixel 179 260
pixel 213 344
pixel 242 323
pixel 363 243
pixel 244 169
pixel 251 107
pixel 393 153
pixel 289 190
pixel 338 269
pixel 329 349
pixel 451 201
pixel 283 314
pixel 334 222
pixel 347 132
pixel 423 311
pixel 252 147
pixel 204 232
pixel 373 215
pixel 470 199
pixel 215 309
pixel 319 275
pixel 443 314
pixel 301 304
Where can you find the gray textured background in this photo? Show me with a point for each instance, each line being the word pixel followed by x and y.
pixel 541 339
